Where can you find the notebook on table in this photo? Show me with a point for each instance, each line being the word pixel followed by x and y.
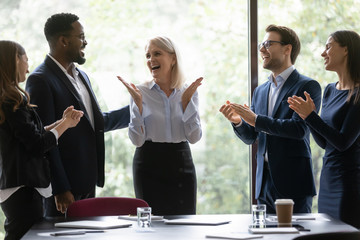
pixel 233 235
pixel 89 224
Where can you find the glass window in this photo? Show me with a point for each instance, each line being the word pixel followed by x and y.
pixel 212 38
pixel 313 21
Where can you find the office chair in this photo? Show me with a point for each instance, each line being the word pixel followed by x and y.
pixel 105 206
pixel 331 236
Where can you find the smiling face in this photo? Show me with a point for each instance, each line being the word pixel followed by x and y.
pixel 23 67
pixel 276 57
pixel 334 55
pixel 76 44
pixel 159 62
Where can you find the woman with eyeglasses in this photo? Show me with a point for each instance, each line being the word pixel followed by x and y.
pixel 24 141
pixel 164 120
pixel 337 129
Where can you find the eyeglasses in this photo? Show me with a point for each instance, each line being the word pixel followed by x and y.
pixel 268 43
pixel 81 36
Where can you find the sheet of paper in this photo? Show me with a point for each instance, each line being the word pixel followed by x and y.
pixel 274 230
pixel 293 219
pixel 195 221
pixel 134 218
pixel 233 235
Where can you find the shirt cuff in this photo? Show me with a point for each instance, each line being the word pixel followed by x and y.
pixel 56 134
pixel 190 110
pixel 238 125
pixel 136 118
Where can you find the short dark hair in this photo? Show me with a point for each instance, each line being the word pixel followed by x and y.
pixel 350 40
pixel 288 36
pixel 59 24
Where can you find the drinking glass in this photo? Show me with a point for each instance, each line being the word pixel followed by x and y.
pixel 144 217
pixel 259 214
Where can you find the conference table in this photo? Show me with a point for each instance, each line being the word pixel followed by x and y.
pixel 238 225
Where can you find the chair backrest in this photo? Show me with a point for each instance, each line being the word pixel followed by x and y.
pixel 105 206
pixel 331 236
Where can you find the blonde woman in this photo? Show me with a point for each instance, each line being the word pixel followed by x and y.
pixel 164 120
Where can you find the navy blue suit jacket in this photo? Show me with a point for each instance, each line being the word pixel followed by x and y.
pixel 77 163
pixel 285 136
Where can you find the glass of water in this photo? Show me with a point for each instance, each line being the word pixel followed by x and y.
pixel 259 214
pixel 144 217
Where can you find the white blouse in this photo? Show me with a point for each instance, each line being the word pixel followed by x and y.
pixel 163 119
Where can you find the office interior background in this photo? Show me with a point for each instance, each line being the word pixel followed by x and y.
pixel 213 37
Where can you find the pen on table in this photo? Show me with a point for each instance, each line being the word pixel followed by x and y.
pixel 75 233
pixel 304 230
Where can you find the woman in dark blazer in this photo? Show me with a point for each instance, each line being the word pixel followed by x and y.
pixel 24 168
pixel 337 130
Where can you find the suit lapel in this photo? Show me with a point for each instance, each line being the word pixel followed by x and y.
pixel 90 91
pixel 63 78
pixel 284 90
pixel 264 96
pixel 98 117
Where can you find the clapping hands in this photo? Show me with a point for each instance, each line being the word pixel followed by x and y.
pixel 189 92
pixel 72 116
pixel 134 92
pixel 235 113
pixel 301 106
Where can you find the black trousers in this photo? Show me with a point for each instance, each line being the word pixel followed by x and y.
pixel 164 176
pixel 50 206
pixel 22 209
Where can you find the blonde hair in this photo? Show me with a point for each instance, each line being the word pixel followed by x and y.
pixel 166 44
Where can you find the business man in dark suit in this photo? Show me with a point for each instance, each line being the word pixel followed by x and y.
pixel 77 164
pixel 284 166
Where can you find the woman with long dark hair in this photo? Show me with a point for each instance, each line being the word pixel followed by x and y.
pixel 24 141
pixel 337 130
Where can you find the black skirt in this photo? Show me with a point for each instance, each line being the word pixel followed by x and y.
pixel 164 176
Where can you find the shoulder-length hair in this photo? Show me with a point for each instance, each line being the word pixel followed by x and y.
pixel 10 91
pixel 166 44
pixel 351 40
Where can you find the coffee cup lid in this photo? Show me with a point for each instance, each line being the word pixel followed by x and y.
pixel 284 201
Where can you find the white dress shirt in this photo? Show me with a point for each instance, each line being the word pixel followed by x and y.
pixel 275 89
pixel 80 88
